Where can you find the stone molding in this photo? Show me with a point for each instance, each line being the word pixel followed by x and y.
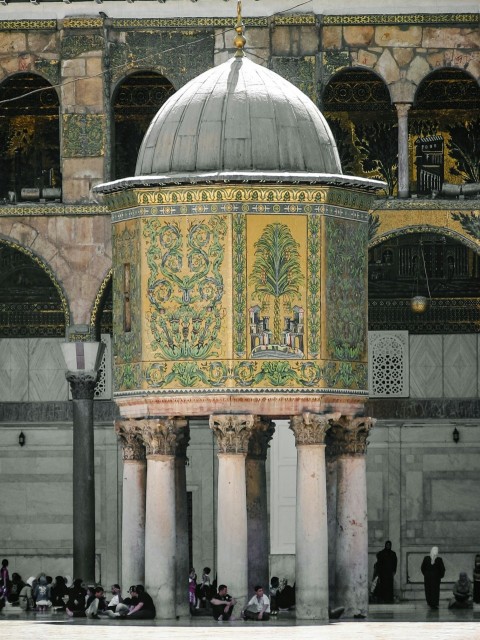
pixel 129 434
pixel 311 428
pixel 160 435
pixel 82 384
pixel 348 436
pixel 232 432
pixel 259 442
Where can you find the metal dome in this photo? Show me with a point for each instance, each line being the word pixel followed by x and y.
pixel 238 116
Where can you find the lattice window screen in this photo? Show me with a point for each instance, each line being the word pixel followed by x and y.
pixel 103 389
pixel 388 364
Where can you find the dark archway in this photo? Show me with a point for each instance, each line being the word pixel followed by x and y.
pixel 444 132
pixel 31 303
pixel 358 108
pixel 136 101
pixel 29 139
pixel 396 272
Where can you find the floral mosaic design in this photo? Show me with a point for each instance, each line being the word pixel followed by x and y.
pixel 346 289
pixel 185 287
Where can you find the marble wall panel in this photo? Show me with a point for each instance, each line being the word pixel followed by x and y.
pixel 47 380
pixel 447 498
pixel 426 367
pixel 460 366
pixel 13 370
pixel 283 487
pixel 414 495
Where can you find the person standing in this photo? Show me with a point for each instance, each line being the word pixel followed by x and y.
pixel 4 579
pixel 476 579
pixel 433 571
pixel 386 568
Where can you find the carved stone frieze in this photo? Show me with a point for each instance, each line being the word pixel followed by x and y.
pixel 129 433
pixel 82 384
pixel 262 433
pixel 349 436
pixel 160 435
pixel 232 432
pixel 310 428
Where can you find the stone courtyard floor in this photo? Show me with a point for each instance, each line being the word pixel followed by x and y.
pixel 396 622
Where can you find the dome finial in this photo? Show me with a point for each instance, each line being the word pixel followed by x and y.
pixel 239 40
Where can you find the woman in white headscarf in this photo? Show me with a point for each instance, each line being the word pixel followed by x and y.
pixel 433 571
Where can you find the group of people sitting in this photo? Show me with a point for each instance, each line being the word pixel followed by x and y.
pixel 43 594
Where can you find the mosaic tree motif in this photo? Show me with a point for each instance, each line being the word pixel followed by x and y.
pixel 464 147
pixel 378 146
pixel 185 287
pixel 277 275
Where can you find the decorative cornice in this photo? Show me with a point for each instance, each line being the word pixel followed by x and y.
pixel 295 19
pixel 262 433
pixel 82 385
pixel 82 23
pixel 171 23
pixel 232 432
pixel 129 434
pixel 18 25
pixel 409 18
pixel 418 204
pixel 19 210
pixel 348 436
pixel 310 428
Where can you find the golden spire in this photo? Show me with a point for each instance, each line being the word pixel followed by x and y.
pixel 239 40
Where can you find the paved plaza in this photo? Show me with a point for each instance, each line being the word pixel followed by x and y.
pixel 402 622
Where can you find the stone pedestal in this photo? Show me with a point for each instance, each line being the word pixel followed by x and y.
pixel 159 435
pixel 258 530
pixel 403 177
pixel 133 502
pixel 83 386
pixel 182 561
pixel 311 560
pixel 351 576
pixel 232 433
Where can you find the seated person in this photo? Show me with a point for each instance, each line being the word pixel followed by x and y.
pixel 116 597
pixel 16 586
pixel 76 599
pixel 59 594
pixel 96 603
pixel 26 600
pixel 285 595
pixel 141 606
pixel 222 604
pixel 258 607
pixel 274 584
pixel 462 593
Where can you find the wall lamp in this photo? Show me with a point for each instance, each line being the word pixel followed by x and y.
pixel 21 439
pixel 456 435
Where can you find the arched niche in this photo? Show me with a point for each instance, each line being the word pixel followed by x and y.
pixel 136 101
pixel 32 304
pixel 444 133
pixel 29 139
pixel 431 263
pixel 357 106
pixel 102 313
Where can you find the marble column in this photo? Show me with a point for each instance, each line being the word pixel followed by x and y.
pixel 403 168
pixel 331 464
pixel 181 507
pixel 351 576
pixel 232 433
pixel 83 387
pixel 311 531
pixel 160 437
pixel 258 530
pixel 133 502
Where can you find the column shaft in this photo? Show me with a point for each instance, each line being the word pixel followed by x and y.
pixel 257 523
pixel 352 535
pixel 182 552
pixel 232 556
pixel 403 160
pixel 332 526
pixel 160 534
pixel 133 522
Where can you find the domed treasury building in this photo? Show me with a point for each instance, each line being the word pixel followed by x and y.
pixel 208 304
pixel 239 288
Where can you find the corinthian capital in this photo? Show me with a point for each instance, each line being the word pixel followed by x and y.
pixel 160 435
pixel 232 432
pixel 349 436
pixel 310 428
pixel 130 435
pixel 262 433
